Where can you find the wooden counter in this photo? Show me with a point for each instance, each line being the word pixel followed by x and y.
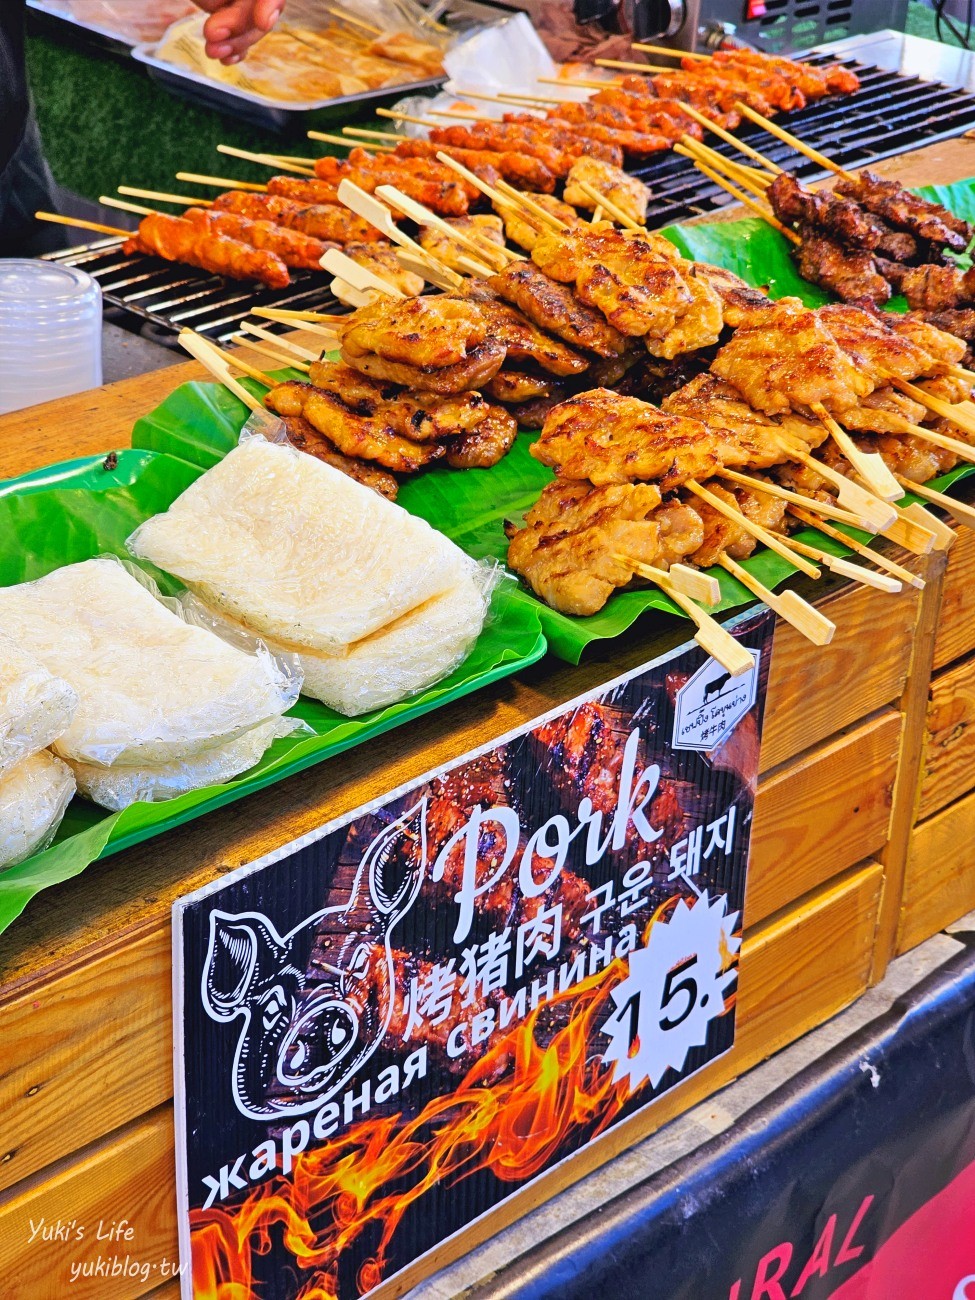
pixel 85 1005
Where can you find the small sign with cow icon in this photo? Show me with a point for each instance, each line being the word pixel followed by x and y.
pixel 367 1019
pixel 711 704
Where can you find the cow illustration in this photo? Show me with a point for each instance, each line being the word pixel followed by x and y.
pixel 315 1004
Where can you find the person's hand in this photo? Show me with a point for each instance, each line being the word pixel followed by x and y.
pixel 235 25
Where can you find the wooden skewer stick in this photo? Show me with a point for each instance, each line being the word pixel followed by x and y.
pixel 846 569
pixel 616 212
pixel 693 583
pixel 717 129
pixel 790 606
pixel 611 83
pixel 627 67
pixel 963 450
pixel 424 268
pixel 482 249
pixel 959 372
pixel 360 277
pixel 265 160
pixel 870 467
pixel 744 198
pixel 378 215
pixel 162 197
pixel 56 219
pixel 796 498
pixel 264 350
pixel 771 540
pixel 343 139
pixel 666 49
pixel 402 117
pixel 882 561
pixel 307 162
pixel 788 138
pixel 107 201
pixel 371 135
pixel 536 209
pixel 472 178
pixel 917 516
pixel 851 496
pixel 964 513
pixel 222 182
pixel 936 404
pixel 349 294
pixel 710 635
pixel 597 215
pixel 206 353
pixel 284 343
pixel 701 155
pixel 283 314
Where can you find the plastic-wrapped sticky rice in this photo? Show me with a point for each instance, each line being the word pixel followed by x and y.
pixel 296 551
pixel 35 707
pixel 151 688
pixel 117 787
pixel 33 796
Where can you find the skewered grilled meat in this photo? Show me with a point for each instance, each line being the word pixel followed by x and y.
pixel 422 417
pixel 523 228
pixel 784 358
pixel 293 248
pixel 532 415
pixel 907 211
pixel 422 332
pixel 813 82
pixel 698 327
pixel 643 127
pixel 178 240
pixel 567 552
pixel 485 444
pixel 793 204
pixel 367 437
pixel 722 408
pixel 331 222
pixel 722 536
pixel 553 307
pixel 628 193
pixel 851 274
pixel 637 290
pixel 519 169
pixel 524 342
pixel 483 229
pixel 515 387
pixel 435 186
pixel 712 95
pixel 930 287
pixel 525 137
pixel 959 324
pixel 381 259
pixel 937 338
pixel 738 299
pixel 637 143
pixel 307 438
pixel 780 92
pixel 877 350
pixel 605 438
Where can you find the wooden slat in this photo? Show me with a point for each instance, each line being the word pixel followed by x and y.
pixel 822 813
pixel 798 969
pixel 939 884
pixel 956 629
pixel 949 760
pixel 815 692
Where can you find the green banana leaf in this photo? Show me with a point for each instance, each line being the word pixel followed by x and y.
pixel 72 511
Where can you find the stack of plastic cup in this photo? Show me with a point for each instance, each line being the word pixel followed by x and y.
pixel 50 332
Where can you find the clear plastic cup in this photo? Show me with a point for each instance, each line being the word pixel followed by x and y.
pixel 50 332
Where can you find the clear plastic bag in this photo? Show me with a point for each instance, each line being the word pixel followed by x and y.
pixel 296 551
pixel 404 658
pixel 117 787
pixel 34 794
pixel 151 687
pixel 35 707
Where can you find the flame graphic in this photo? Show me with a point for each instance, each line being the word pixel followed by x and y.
pixel 512 1125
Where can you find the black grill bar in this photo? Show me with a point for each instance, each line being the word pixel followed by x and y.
pixel 890 114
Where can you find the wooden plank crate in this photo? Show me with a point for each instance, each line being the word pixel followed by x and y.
pixel 85 1000
pixel 939 873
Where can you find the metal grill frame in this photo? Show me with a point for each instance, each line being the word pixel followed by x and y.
pixel 889 115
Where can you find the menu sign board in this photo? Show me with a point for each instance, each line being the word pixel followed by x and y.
pixel 390 1025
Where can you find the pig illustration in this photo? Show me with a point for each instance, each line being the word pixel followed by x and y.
pixel 315 1004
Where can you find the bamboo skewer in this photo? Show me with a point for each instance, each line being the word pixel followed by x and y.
pixel 265 159
pixel 963 450
pixel 481 249
pixel 424 268
pixel 796 498
pixel 792 140
pixel 372 135
pixel 108 201
pixel 882 561
pixel 209 356
pixel 222 182
pixel 774 543
pixel 265 350
pixel 402 117
pixel 936 404
pixel 718 166
pixel 285 315
pixel 258 332
pixel 611 83
pixel 880 514
pixel 643 47
pixel 869 466
pixel 162 197
pixel 472 178
pixel 790 606
pixel 960 510
pixel 359 277
pixel 693 583
pixel 325 138
pixel 745 199
pixel 55 218
pixel 710 635
pixel 749 178
pixel 525 201
pixel 717 129
pixel 846 569
pixel 378 215
pixel 617 213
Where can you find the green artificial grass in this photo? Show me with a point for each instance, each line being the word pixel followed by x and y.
pixel 105 123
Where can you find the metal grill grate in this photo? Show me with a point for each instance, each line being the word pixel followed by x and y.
pixel 888 115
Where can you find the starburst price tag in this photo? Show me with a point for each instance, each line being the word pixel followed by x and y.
pixel 675 987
